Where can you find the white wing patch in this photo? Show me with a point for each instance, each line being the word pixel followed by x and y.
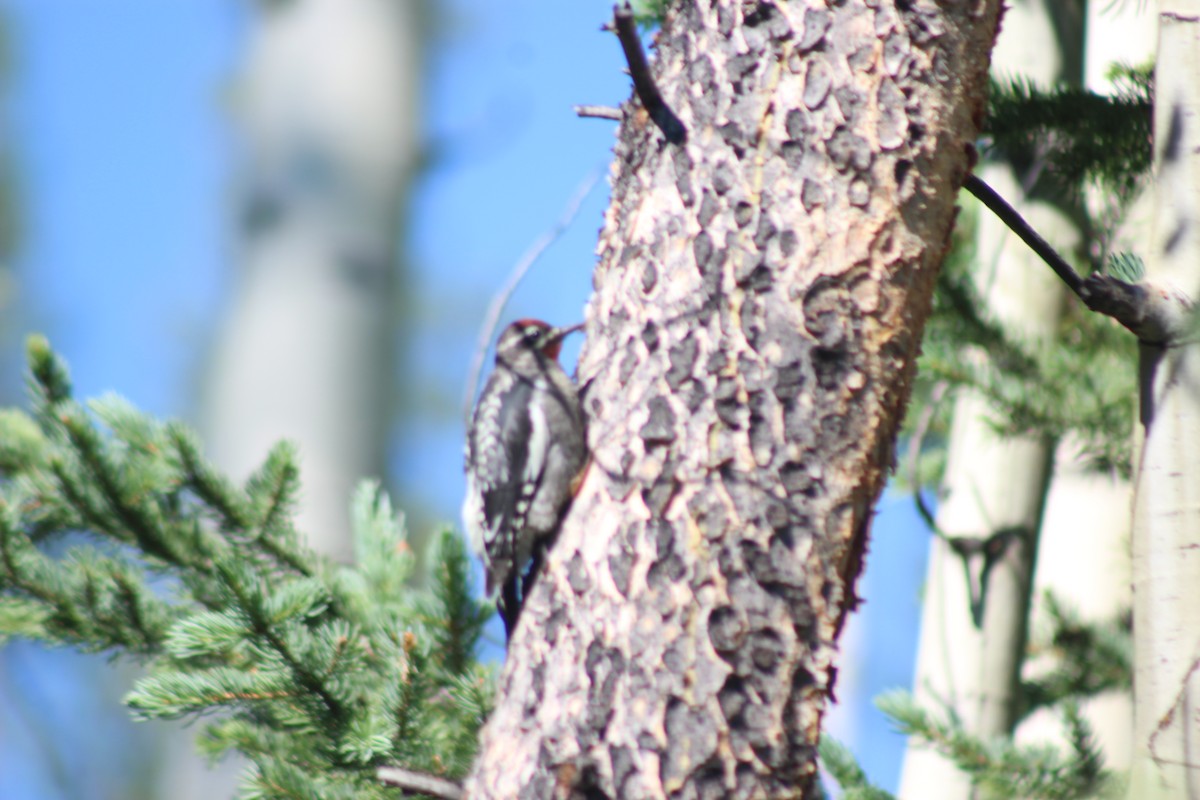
pixel 539 445
pixel 473 519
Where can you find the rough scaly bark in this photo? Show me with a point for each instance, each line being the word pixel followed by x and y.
pixel 759 302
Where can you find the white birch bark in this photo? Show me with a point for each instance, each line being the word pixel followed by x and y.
pixel 1083 559
pixel 1166 518
pixel 993 483
pixel 326 107
pixel 1083 554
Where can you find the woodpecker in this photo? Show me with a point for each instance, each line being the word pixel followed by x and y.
pixel 525 448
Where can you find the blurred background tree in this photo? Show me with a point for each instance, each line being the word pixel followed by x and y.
pixel 220 198
pixel 174 157
pixel 326 110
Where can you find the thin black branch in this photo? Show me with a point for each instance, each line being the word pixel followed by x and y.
pixel 598 112
pixel 527 260
pixel 1156 315
pixel 1017 224
pixel 643 82
pixel 419 783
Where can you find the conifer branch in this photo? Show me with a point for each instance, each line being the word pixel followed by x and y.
pixel 837 759
pixel 1080 135
pixel 325 672
pixel 1000 766
pixel 1089 659
pixel 1084 385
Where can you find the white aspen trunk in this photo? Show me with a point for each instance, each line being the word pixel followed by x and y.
pixel 326 107
pixel 1166 516
pixel 327 110
pixel 1083 553
pixel 1083 559
pixel 993 483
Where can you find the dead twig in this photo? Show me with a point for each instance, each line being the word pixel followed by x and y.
pixel 598 112
pixel 643 82
pixel 1017 224
pixel 419 783
pixel 1157 315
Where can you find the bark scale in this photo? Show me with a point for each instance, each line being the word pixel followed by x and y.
pixel 759 302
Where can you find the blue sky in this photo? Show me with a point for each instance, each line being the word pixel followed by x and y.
pixel 118 118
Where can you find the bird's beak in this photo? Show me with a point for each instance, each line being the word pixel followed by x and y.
pixel 562 333
pixel 551 341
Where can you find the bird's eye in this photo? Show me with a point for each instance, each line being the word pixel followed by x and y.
pixel 532 332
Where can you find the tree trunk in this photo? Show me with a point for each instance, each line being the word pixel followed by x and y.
pixel 995 486
pixel 1166 512
pixel 759 303
pixel 327 110
pixel 1094 580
